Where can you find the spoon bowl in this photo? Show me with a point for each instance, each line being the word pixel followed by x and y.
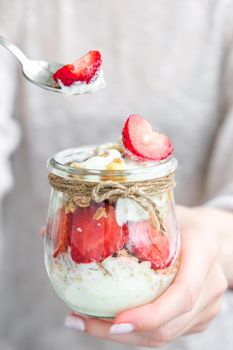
pixel 41 73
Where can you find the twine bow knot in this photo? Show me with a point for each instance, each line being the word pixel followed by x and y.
pixel 114 190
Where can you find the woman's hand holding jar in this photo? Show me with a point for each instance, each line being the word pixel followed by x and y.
pixel 194 298
pixel 113 247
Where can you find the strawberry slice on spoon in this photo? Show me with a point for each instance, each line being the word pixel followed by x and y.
pixel 83 70
pixel 142 143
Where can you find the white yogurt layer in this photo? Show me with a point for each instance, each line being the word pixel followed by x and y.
pixel 115 160
pixel 107 288
pixel 101 162
pixel 96 84
pixel 107 153
pixel 128 210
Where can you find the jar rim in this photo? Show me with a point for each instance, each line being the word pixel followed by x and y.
pixel 59 165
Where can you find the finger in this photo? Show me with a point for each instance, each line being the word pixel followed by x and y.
pixel 211 301
pixel 206 309
pixel 181 296
pixel 101 329
pixel 202 321
pixel 178 326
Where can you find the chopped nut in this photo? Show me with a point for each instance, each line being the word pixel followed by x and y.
pixel 100 212
pixel 82 201
pixel 116 164
pixel 118 160
pixel 75 165
pixel 104 154
pixel 123 252
pixel 70 208
pixel 67 210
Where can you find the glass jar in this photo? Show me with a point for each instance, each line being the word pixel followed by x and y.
pixel 111 241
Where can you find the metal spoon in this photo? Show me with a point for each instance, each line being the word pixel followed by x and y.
pixel 37 72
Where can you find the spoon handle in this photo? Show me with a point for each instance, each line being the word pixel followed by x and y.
pixel 13 49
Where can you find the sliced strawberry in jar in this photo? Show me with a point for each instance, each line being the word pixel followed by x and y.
pixel 115 236
pixel 62 235
pixel 86 241
pixel 142 143
pixel 147 244
pixel 83 69
pixel 94 237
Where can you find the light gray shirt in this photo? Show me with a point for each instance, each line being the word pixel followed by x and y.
pixel 171 62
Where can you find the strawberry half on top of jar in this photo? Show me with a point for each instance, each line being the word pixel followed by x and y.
pixel 142 143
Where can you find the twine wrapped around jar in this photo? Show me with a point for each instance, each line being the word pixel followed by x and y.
pixel 141 192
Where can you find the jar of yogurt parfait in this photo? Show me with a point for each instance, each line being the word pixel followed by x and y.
pixel 112 241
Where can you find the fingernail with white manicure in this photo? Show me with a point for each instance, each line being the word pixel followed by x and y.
pixel 122 328
pixel 75 322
